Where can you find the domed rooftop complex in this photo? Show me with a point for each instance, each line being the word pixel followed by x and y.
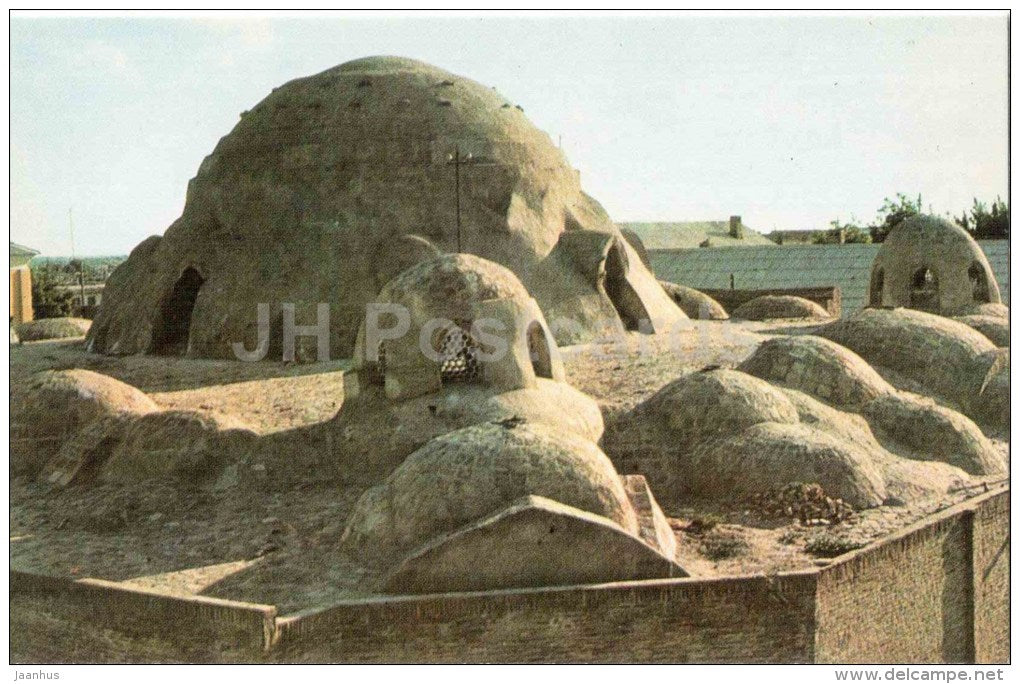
pixel 336 182
pixel 931 264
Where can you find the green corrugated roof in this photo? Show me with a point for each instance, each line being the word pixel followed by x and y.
pixel 22 250
pixel 690 235
pixel 762 268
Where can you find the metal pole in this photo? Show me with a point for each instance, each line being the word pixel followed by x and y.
pixel 456 166
pixel 70 228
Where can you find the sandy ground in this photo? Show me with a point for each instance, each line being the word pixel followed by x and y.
pixel 270 544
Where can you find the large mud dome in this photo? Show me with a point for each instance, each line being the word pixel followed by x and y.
pixel 336 182
pixel 935 356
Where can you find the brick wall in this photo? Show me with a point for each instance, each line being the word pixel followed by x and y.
pixel 150 613
pixel 905 601
pixel 991 580
pixel 676 621
pixel 934 592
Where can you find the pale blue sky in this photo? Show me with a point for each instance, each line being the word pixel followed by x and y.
pixel 790 121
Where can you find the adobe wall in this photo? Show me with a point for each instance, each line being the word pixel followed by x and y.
pixel 934 592
pixel 149 613
pixel 755 619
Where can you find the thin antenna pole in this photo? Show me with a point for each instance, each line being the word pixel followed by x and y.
pixel 70 227
pixel 456 165
pixel 81 266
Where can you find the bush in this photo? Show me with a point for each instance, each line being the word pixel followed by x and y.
pixel 47 300
pixel 720 544
pixel 829 545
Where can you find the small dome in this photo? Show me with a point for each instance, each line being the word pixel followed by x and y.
pixel 931 264
pixel 470 473
pixel 931 230
pixel 452 285
pixel 819 367
pixel 715 404
pixel 454 318
pixel 53 405
pixel 769 307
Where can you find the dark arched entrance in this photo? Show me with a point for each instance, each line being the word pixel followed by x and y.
pixel 625 300
pixel 924 291
pixel 538 349
pixel 978 283
pixel 173 327
pixel 877 287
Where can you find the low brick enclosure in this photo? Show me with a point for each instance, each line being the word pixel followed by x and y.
pixel 935 592
pixel 829 298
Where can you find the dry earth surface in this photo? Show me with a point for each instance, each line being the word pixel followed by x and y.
pixel 279 545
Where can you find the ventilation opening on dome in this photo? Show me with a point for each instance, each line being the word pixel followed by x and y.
pixel 459 357
pixel 978 283
pixel 877 287
pixel 625 300
pixel 170 334
pixel 924 291
pixel 538 349
pixel 380 359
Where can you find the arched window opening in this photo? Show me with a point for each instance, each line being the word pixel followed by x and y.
pixel 539 350
pixel 978 283
pixel 380 358
pixel 924 291
pixel 375 371
pixel 877 287
pixel 458 355
pixel 173 327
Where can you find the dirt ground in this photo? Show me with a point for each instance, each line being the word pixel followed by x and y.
pixel 266 543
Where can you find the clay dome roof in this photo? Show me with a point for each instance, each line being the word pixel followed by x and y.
pixel 469 473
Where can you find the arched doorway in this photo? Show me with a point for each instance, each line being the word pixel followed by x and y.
pixel 172 329
pixel 625 300
pixel 978 283
pixel 539 351
pixel 924 291
pixel 877 287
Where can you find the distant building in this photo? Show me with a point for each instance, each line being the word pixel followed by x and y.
pixel 86 298
pixel 795 266
pixel 694 234
pixel 21 283
pixel 794 237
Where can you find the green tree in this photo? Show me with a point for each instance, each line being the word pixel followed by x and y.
pixel 891 213
pixel 47 300
pixel 984 223
pixel 842 233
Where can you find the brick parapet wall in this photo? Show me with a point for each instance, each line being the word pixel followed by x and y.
pixel 991 580
pixel 719 620
pixel 936 591
pixel 151 613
